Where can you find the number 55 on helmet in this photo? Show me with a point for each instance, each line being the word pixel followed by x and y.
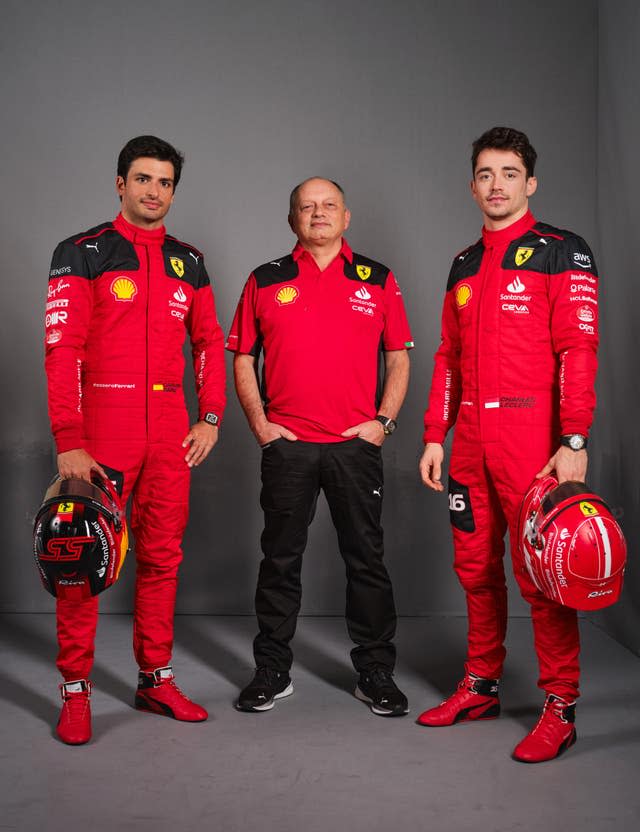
pixel 80 537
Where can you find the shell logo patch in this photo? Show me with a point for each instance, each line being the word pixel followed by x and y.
pixel 123 288
pixel 522 255
pixel 177 265
pixel 363 272
pixel 463 295
pixel 587 509
pixel 287 294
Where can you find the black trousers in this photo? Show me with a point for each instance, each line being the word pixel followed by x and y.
pixel 350 474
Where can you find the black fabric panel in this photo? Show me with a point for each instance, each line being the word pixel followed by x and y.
pixel 376 273
pixel 460 510
pixel 465 264
pixel 277 271
pixel 89 254
pixel 554 251
pixel 188 260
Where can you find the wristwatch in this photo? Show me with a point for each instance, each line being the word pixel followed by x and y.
pixel 575 441
pixel 389 425
pixel 212 419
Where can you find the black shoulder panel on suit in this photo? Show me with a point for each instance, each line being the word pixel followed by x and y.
pixel 549 250
pixel 277 271
pixel 183 261
pixel 365 270
pixel 465 264
pixel 93 252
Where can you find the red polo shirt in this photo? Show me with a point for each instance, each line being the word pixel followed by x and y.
pixel 321 334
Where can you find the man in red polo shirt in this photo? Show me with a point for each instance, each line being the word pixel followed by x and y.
pixel 321 316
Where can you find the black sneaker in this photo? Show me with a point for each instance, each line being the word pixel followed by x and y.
pixel 377 688
pixel 263 690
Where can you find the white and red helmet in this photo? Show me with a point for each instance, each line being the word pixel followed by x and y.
pixel 573 547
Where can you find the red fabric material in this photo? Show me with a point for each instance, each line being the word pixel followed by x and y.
pixel 322 348
pixel 117 336
pixel 114 370
pixel 515 369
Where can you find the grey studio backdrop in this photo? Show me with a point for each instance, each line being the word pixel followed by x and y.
pixel 384 97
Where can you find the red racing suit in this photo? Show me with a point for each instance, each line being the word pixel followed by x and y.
pixel 515 370
pixel 120 302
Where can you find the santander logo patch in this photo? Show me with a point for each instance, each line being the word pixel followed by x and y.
pixel 516 286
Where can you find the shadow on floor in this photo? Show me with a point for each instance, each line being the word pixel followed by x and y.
pixel 195 635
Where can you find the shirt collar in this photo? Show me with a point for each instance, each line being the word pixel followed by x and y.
pixel 135 234
pixel 511 232
pixel 345 251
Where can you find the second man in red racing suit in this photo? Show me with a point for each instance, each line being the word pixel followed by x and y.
pixel 514 372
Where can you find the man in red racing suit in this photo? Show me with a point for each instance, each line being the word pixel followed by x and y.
pixel 121 298
pixel 515 372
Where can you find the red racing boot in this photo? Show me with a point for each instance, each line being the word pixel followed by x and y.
pixel 158 693
pixel 74 725
pixel 475 698
pixel 553 734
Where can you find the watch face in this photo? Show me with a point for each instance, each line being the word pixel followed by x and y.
pixel 576 442
pixel 211 419
pixel 388 424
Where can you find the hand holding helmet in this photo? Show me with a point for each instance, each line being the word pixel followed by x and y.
pixel 573 547
pixel 80 537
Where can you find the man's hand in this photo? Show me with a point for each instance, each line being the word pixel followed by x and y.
pixel 568 465
pixel 78 463
pixel 431 466
pixel 267 432
pixel 371 431
pixel 202 437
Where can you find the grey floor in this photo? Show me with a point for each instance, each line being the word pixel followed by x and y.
pixel 320 760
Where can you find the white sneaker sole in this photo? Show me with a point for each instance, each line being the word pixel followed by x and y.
pixel 375 708
pixel 269 705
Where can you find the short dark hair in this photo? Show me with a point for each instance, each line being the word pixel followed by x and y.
pixel 294 193
pixel 153 148
pixel 505 138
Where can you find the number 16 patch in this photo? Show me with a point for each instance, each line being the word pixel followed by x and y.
pixel 460 510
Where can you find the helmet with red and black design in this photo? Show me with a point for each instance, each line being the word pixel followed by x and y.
pixel 80 537
pixel 573 547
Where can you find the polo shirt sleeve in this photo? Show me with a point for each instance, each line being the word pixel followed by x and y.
pixel 396 334
pixel 244 335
